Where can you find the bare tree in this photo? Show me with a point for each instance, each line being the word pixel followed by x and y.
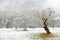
pixel 44 16
pixel 10 20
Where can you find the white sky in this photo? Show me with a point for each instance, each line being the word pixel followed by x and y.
pixel 24 5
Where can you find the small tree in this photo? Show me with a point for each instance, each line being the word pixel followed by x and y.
pixel 44 16
pixel 10 20
pixel 25 19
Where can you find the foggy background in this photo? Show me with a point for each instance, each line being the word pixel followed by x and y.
pixel 19 13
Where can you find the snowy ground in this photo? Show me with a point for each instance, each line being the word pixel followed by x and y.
pixel 12 34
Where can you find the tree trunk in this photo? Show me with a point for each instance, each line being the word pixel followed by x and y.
pixel 46 28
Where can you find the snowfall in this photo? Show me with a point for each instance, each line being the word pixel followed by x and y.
pixel 19 34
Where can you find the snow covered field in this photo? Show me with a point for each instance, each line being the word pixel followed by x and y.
pixel 13 34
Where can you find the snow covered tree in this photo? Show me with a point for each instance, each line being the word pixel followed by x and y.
pixel 46 15
pixel 10 20
pixel 25 23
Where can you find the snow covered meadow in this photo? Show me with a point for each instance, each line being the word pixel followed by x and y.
pixel 31 14
pixel 31 34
